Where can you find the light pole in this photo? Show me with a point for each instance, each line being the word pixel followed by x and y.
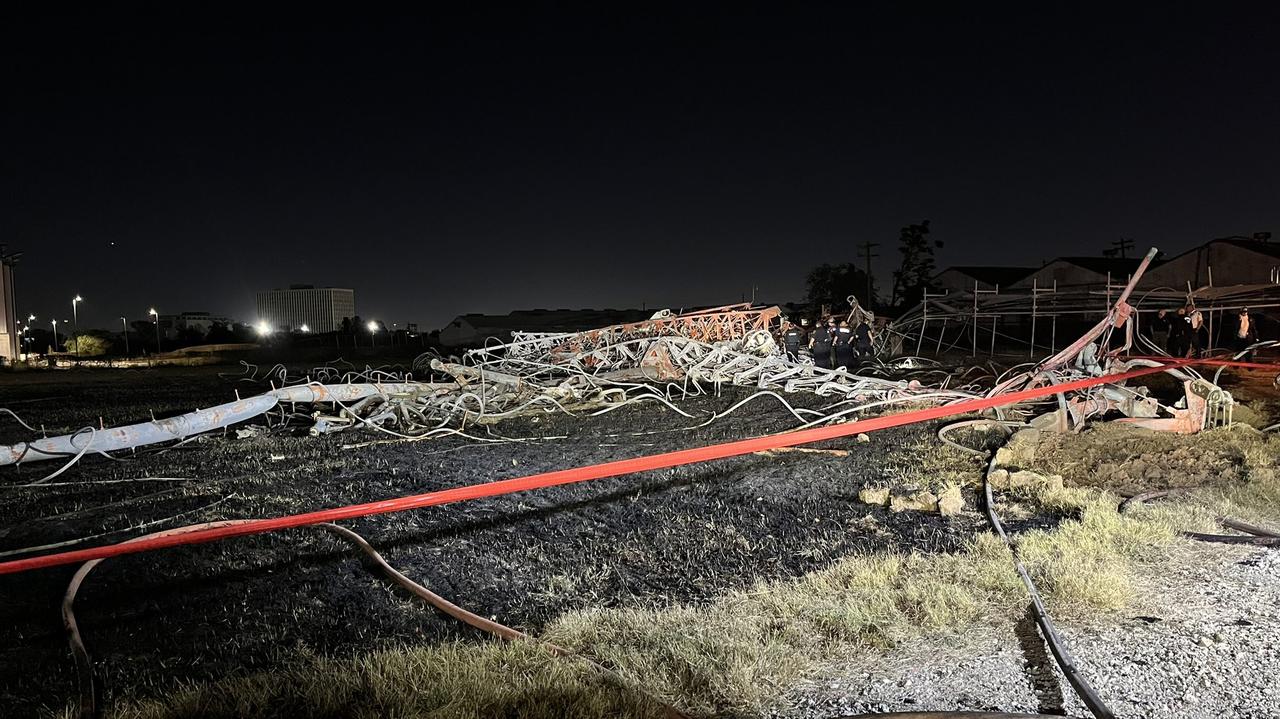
pixel 156 318
pixel 373 333
pixel 55 335
pixel 75 322
pixel 125 325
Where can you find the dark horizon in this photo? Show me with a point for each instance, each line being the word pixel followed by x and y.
pixel 484 162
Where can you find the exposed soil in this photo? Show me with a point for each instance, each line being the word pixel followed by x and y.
pixel 150 621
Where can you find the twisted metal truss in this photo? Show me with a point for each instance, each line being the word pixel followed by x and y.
pixel 663 359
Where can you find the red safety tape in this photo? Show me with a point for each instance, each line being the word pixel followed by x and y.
pixel 564 476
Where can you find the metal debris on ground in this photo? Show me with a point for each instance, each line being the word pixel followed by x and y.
pixel 665 359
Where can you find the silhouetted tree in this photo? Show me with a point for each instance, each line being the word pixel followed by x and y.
pixel 38 341
pixel 831 285
pixel 146 331
pixel 219 334
pixel 188 336
pixel 912 278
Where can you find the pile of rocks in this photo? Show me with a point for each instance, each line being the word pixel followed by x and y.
pixel 949 502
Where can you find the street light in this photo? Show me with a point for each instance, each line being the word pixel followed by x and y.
pixel 304 328
pixel 373 336
pixel 75 322
pixel 263 328
pixel 156 316
pixel 125 325
pixel 55 335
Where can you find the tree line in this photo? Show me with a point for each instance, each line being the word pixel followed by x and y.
pixel 828 286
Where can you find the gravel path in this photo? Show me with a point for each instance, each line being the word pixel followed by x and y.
pixel 1205 642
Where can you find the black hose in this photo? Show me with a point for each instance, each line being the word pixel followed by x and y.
pixel 1060 652
pixel 1253 534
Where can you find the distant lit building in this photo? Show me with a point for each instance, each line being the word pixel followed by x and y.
pixel 8 308
pixel 321 309
pixel 202 322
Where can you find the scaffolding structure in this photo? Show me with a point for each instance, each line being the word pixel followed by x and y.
pixel 945 321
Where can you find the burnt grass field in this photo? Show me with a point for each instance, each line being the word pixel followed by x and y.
pixel 151 621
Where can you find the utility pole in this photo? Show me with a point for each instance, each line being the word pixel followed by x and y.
pixel 866 256
pixel 1122 246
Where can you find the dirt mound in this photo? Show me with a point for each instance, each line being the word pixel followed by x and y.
pixel 1128 460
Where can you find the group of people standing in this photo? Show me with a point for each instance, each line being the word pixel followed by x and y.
pixel 1183 332
pixel 832 343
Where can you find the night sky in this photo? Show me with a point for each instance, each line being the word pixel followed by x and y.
pixel 441 164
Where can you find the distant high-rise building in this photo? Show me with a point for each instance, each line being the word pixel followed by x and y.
pixel 8 308
pixel 201 322
pixel 320 309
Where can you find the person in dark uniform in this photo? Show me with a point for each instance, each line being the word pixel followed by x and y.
pixel 820 346
pixel 862 337
pixel 806 332
pixel 1160 328
pixel 832 331
pixel 791 339
pixel 845 356
pixel 1179 334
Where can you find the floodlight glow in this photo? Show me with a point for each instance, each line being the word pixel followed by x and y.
pixel 373 326
pixel 264 329
pixel 304 328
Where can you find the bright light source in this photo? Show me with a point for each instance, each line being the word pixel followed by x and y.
pixel 78 298
pixel 32 318
pixel 264 329
pixel 373 326
pixel 152 311
pixel 304 328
